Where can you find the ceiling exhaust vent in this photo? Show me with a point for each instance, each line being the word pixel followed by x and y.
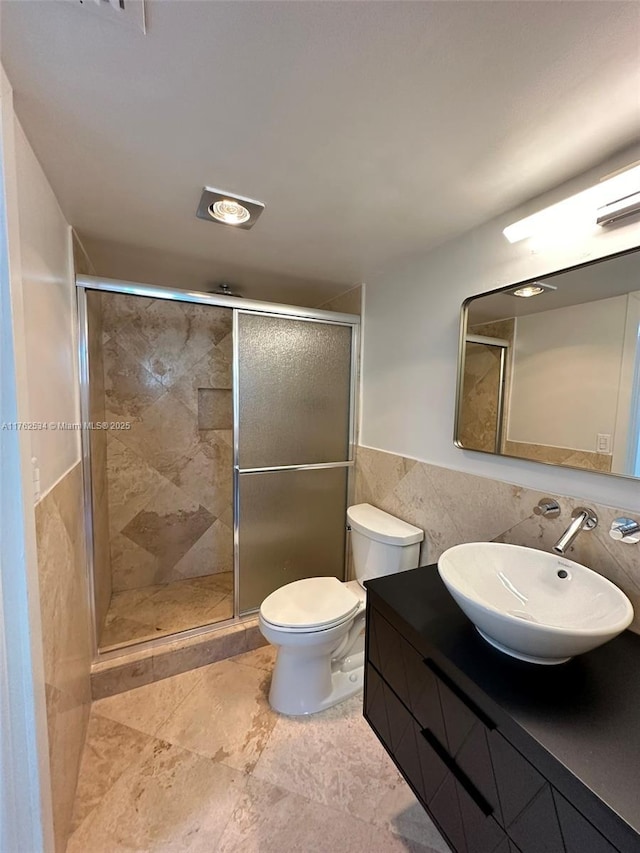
pixel 131 13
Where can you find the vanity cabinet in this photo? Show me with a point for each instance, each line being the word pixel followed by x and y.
pixel 479 788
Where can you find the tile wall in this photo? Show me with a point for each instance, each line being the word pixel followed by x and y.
pixel 65 636
pixel 167 374
pixel 453 507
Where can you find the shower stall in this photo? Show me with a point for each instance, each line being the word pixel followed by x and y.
pixel 218 439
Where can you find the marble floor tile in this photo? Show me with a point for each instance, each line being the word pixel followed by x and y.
pixel 199 762
pixel 110 749
pixel 262 658
pixel 146 708
pixel 162 803
pixel 268 819
pixel 161 609
pixel 225 717
pixel 119 631
pixel 329 758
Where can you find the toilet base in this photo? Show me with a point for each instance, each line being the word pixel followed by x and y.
pixel 299 689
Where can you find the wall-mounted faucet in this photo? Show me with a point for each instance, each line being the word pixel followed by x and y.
pixel 625 530
pixel 547 507
pixel 583 518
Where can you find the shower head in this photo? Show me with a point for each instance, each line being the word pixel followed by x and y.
pixel 226 289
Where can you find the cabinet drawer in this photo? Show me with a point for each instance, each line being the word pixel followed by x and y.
pixel 579 835
pixel 459 809
pixel 403 668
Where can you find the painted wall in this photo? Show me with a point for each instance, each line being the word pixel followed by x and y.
pixel 412 313
pixel 26 821
pixel 47 333
pixel 50 319
pixel 566 371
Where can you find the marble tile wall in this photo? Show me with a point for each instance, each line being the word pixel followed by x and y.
pixel 66 638
pixel 481 384
pixel 167 373
pixel 588 459
pixel 454 507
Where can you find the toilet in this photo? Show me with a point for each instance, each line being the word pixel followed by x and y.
pixel 317 624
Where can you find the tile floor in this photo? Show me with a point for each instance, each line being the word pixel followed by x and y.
pixel 141 614
pixel 200 763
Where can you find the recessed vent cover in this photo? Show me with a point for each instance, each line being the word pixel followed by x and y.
pixel 131 13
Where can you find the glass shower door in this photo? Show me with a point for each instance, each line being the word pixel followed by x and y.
pixel 293 444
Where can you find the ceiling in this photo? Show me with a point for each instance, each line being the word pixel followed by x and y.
pixel 371 130
pixel 604 279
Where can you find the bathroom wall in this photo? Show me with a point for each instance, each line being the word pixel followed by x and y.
pixel 455 506
pixel 566 369
pixel 167 379
pixel 411 318
pixel 48 294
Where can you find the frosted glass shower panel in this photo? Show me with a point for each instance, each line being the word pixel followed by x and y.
pixel 292 526
pixel 295 385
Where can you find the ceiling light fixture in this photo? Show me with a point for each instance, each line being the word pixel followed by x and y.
pixel 533 289
pixel 613 197
pixel 616 210
pixel 228 208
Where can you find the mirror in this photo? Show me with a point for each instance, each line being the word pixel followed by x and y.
pixel 549 369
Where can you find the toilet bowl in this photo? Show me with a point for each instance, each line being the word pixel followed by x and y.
pixel 318 623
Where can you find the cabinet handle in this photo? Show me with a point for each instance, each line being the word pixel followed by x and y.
pixel 460 775
pixel 453 687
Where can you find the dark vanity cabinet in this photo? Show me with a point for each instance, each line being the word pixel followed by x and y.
pixel 486 788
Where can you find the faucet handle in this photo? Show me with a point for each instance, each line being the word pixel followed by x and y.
pixel 547 507
pixel 625 530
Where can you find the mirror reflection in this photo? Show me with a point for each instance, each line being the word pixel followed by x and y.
pixel 550 369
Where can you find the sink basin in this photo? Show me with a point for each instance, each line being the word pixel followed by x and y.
pixel 532 605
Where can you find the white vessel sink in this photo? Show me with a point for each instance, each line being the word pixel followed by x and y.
pixel 532 605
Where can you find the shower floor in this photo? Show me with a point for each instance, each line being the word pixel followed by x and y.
pixel 141 614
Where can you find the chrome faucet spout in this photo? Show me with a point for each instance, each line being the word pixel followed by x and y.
pixel 583 518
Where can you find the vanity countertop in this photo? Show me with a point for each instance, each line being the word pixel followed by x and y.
pixel 579 720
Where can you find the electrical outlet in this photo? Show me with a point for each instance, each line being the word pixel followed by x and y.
pixel 603 442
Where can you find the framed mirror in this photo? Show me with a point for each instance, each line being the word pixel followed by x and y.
pixel 549 369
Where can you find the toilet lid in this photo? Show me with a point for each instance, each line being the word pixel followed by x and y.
pixel 309 603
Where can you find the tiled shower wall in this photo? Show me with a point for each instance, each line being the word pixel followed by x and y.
pixel 167 379
pixel 481 386
pixel 454 507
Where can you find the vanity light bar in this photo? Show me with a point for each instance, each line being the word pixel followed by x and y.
pixel 587 208
pixel 619 209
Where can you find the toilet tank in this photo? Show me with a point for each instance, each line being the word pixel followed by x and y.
pixel 381 544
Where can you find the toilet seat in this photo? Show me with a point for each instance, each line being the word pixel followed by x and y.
pixel 312 604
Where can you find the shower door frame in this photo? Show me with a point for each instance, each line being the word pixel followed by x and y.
pixel 85 283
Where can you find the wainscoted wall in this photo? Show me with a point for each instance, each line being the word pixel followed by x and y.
pixel 454 507
pixel 588 459
pixel 167 372
pixel 65 636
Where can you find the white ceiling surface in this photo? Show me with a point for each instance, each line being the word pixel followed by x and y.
pixel 370 129
pixel 604 279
